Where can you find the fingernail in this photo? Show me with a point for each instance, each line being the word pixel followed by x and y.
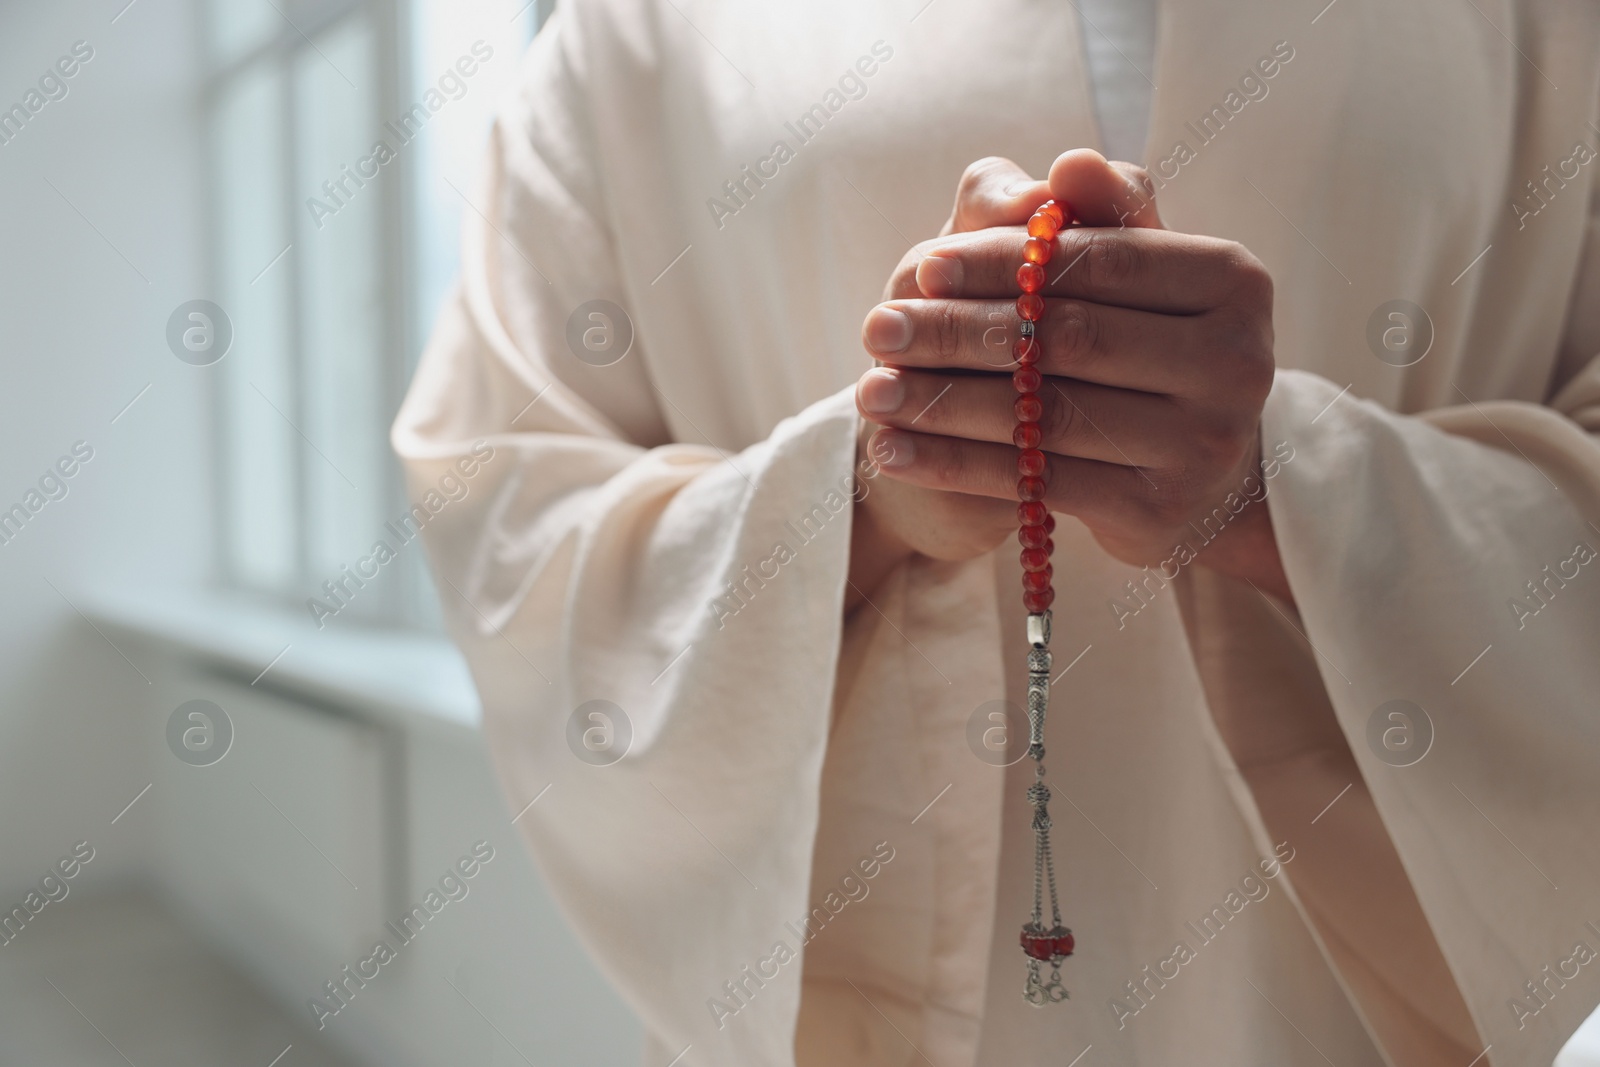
pixel 888 330
pixel 881 392
pixel 892 450
pixel 940 276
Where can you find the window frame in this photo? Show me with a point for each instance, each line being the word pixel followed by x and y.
pixel 403 600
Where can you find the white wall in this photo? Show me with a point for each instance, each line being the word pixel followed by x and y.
pixel 83 335
pixel 84 302
pixel 386 805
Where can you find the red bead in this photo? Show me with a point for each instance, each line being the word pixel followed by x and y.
pixel 1027 435
pixel 1036 581
pixel 1030 306
pixel 1050 524
pixel 1056 210
pixel 1054 944
pixel 1026 350
pixel 1038 946
pixel 1035 537
pixel 1043 226
pixel 1028 408
pixel 1030 462
pixel 1032 513
pixel 1035 559
pixel 1027 379
pixel 1030 277
pixel 1037 250
pixel 1037 602
pixel 1030 488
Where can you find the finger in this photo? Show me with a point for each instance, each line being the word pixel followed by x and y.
pixel 1077 339
pixel 1103 193
pixel 1099 493
pixel 994 192
pixel 1144 213
pixel 1078 418
pixel 1155 270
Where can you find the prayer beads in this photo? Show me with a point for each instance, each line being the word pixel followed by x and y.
pixel 1043 945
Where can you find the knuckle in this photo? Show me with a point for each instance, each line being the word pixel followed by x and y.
pixel 975 179
pixel 1144 191
pixel 1243 343
pixel 945 466
pixel 978 193
pixel 993 346
pixel 971 178
pixel 976 176
pixel 1110 261
pixel 1076 331
pixel 1252 279
pixel 1233 343
pixel 1236 329
pixel 1060 417
pixel 1258 371
pixel 947 321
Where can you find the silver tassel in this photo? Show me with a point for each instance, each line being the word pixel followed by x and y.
pixel 1052 944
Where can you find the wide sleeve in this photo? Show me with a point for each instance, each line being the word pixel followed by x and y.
pixel 653 626
pixel 1449 560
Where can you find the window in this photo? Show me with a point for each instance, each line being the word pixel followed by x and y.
pixel 331 257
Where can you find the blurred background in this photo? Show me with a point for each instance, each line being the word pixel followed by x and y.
pixel 222 469
pixel 227 225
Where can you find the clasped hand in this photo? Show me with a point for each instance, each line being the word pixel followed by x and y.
pixel 1157 360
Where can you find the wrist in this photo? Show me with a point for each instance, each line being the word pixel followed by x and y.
pixel 1247 551
pixel 875 551
pixel 1246 548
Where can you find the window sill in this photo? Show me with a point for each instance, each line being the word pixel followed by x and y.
pixel 402 679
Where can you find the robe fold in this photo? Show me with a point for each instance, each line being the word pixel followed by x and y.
pixel 778 827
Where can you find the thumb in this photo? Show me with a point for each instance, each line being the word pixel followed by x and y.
pixel 1104 193
pixel 994 192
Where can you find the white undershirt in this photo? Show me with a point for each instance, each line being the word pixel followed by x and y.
pixel 1119 45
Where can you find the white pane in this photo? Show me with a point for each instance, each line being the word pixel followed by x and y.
pixel 341 191
pixel 449 149
pixel 237 26
pixel 258 442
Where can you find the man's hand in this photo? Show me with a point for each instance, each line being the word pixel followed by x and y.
pixel 1157 357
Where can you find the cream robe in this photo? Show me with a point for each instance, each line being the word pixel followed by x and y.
pixel 777 747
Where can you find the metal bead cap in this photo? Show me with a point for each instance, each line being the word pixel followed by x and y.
pixel 1039 629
